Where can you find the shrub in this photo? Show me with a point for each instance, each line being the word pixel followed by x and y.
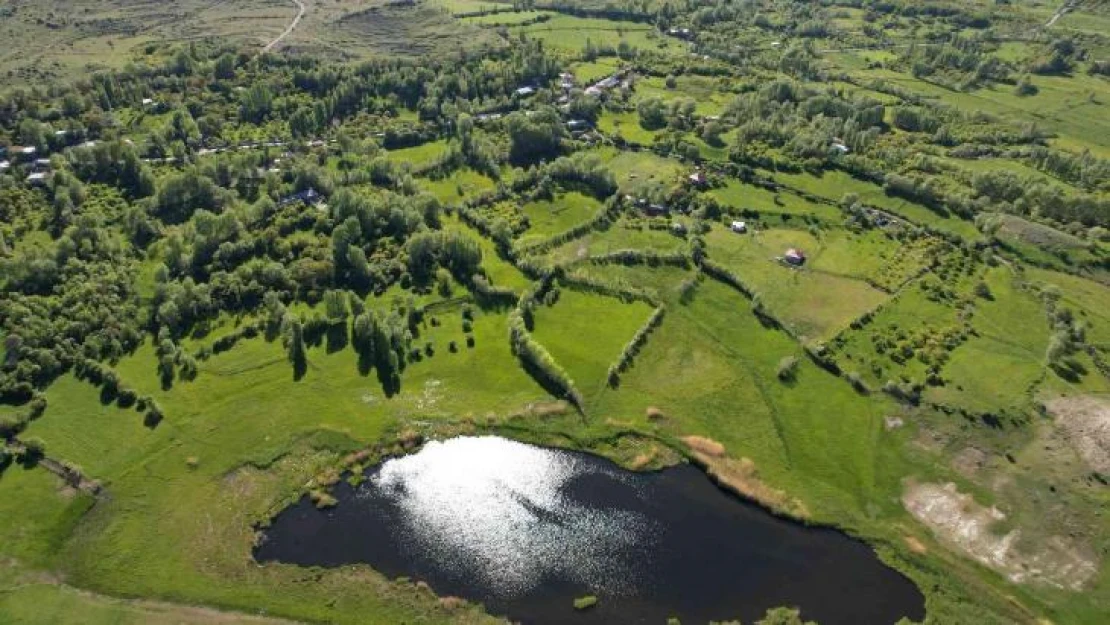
pixel 10 425
pixel 584 603
pixel 788 368
pixel 856 381
pixel 34 449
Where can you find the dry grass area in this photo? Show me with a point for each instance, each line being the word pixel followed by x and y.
pixel 742 477
pixel 1085 423
pixel 977 532
pixel 705 446
pixel 915 545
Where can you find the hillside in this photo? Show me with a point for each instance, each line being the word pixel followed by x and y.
pixel 851 258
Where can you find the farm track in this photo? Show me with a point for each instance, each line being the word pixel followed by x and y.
pixel 1061 12
pixel 289 29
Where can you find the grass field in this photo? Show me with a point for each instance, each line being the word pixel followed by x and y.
pixel 626 125
pixel 586 333
pixel 997 368
pixel 872 256
pixel 742 196
pixel 641 173
pixel 1074 108
pixel 65 39
pixel 457 187
pixel 813 305
pixel 566 210
pixel 624 235
pixel 834 185
pixel 424 154
pixel 571 33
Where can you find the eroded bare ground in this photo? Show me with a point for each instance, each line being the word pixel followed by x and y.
pixel 978 532
pixel 1085 423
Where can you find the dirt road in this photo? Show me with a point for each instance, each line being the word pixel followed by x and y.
pixel 285 33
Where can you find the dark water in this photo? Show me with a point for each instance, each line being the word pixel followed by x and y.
pixel 524 530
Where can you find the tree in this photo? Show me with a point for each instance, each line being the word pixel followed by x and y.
pixel 256 103
pixel 224 68
pixel 182 194
pixel 535 137
pixel 296 348
pixel 34 449
pixel 653 113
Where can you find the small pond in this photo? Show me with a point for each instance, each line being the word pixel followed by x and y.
pixel 525 530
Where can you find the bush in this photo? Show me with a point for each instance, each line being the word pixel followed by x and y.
pixel 788 369
pixel 856 381
pixel 584 603
pixel 34 449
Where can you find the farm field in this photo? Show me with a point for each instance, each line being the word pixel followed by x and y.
pixel 813 305
pixel 849 261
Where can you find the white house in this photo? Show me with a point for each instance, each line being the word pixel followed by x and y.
pixel 525 91
pixel 37 179
pixel 739 227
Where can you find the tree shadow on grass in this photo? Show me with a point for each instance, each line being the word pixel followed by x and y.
pixel 336 338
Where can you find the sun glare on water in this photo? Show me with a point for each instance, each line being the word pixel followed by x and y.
pixel 496 510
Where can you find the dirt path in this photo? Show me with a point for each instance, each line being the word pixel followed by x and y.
pixel 289 29
pixel 1061 12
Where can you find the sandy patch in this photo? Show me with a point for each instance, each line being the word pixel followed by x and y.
pixel 970 528
pixel 1085 422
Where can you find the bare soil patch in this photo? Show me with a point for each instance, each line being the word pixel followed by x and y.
pixel 973 529
pixel 1085 422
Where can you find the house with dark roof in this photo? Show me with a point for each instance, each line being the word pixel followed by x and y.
pixel 310 197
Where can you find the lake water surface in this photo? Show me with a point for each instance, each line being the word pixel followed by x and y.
pixel 525 529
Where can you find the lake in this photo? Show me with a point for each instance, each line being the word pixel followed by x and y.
pixel 525 530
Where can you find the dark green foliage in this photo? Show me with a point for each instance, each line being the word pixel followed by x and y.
pixel 452 250
pixel 535 137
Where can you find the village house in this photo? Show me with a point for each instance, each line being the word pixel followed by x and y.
pixel 698 179
pixel 524 92
pixel 739 227
pixel 794 256
pixel 23 153
pixel 37 179
pixel 681 33
pixel 577 125
pixel 309 196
